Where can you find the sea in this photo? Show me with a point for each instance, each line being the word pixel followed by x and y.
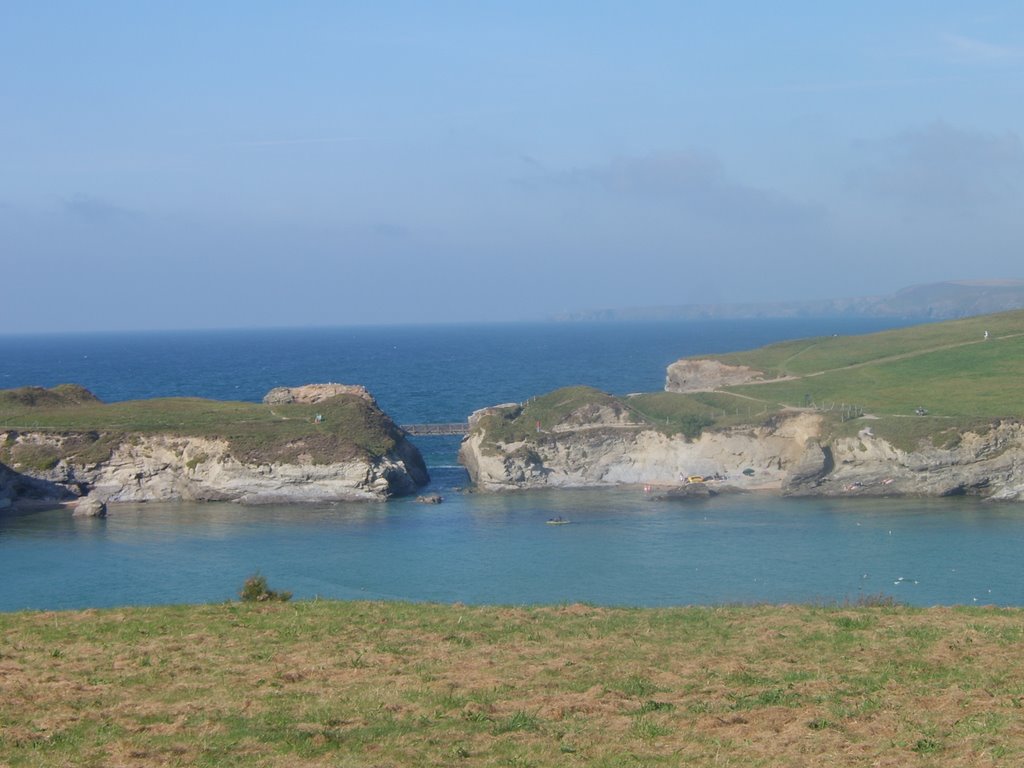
pixel 621 548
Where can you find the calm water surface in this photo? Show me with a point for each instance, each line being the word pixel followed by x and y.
pixel 621 549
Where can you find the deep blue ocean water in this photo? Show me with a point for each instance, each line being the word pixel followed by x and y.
pixel 622 548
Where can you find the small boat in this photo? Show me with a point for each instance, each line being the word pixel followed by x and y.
pixel 558 521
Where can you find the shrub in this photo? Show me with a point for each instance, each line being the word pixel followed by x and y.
pixel 256 590
pixel 518 721
pixel 35 456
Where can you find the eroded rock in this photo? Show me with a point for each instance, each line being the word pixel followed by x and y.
pixel 707 375
pixel 90 506
pixel 618 454
pixel 788 454
pixel 314 393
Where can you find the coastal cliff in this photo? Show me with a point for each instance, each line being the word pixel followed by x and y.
pixel 930 410
pixel 795 452
pixel 986 462
pixel 333 448
pixel 601 447
pixel 582 437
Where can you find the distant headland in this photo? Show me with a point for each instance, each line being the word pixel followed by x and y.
pixel 934 301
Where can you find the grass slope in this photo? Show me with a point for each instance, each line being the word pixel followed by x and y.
pixel 962 379
pixel 807 356
pixel 569 405
pixel 256 432
pixel 393 684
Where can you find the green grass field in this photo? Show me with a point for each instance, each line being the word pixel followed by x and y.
pixel 948 368
pixel 806 356
pixel 394 684
pixel 977 379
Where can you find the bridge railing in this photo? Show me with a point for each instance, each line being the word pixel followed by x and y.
pixel 450 428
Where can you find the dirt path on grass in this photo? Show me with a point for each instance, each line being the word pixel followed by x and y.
pixel 876 361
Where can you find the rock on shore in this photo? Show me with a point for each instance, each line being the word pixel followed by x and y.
pixel 90 506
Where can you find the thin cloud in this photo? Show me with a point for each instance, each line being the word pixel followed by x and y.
pixel 865 85
pixel 294 142
pixel 95 209
pixel 390 231
pixel 529 161
pixel 668 174
pixel 692 183
pixel 973 49
pixel 944 169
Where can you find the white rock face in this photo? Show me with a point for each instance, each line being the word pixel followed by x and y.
pixel 314 393
pixel 707 375
pixel 90 506
pixel 617 455
pixel 788 456
pixel 990 464
pixel 166 467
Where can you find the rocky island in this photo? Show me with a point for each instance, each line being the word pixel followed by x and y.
pixel 327 442
pixel 933 410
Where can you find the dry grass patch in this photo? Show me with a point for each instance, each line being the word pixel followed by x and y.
pixel 390 684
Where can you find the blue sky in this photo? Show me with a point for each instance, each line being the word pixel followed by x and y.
pixel 222 164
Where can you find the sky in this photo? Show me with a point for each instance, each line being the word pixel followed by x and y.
pixel 178 164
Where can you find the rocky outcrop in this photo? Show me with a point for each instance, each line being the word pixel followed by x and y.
pixel 707 375
pixel 788 454
pixel 351 450
pixel 987 463
pixel 17 487
pixel 7 489
pixel 63 395
pixel 616 453
pixel 811 468
pixel 172 467
pixel 90 506
pixel 314 393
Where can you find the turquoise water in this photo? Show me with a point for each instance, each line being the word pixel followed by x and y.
pixel 621 549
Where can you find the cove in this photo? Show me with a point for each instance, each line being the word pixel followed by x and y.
pixel 620 549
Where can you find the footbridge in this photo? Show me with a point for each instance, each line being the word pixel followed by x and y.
pixel 450 428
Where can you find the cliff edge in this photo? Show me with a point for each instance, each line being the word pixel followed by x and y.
pixel 794 452
pixel 582 437
pixel 62 443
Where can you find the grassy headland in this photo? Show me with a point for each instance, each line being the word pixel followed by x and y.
pixel 958 376
pixel 256 433
pixel 950 369
pixel 394 684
